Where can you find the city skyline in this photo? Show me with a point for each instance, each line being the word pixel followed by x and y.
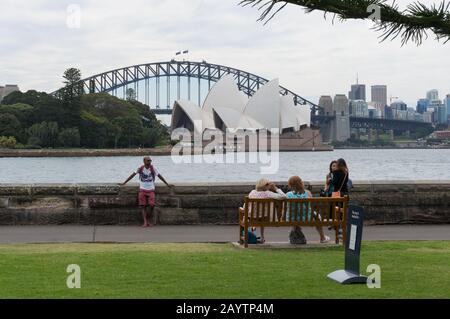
pixel 306 52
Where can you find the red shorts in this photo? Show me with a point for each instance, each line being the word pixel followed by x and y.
pixel 146 198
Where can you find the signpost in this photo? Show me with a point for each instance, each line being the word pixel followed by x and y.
pixel 351 274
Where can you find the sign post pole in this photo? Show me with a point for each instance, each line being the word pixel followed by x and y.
pixel 351 273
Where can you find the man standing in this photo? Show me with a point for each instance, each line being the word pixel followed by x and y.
pixel 147 173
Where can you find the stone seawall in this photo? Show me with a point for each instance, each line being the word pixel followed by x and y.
pixel 81 152
pixel 215 203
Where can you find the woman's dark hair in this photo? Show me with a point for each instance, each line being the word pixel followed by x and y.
pixel 331 164
pixel 342 165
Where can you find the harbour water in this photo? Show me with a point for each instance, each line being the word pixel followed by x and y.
pixel 367 164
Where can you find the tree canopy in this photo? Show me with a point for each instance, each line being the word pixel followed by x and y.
pixel 412 24
pixel 72 119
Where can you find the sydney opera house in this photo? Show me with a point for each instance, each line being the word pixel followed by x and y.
pixel 228 109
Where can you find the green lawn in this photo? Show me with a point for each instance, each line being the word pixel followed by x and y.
pixel 409 270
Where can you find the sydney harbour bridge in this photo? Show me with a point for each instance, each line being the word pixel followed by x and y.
pixel 159 84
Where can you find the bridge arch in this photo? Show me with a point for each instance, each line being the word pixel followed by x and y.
pixel 113 80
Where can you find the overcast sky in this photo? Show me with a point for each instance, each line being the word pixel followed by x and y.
pixel 309 55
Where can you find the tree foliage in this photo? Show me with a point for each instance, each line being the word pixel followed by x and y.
pixel 69 119
pixel 69 137
pixel 72 85
pixel 23 112
pixel 44 134
pixel 10 125
pixel 412 24
pixel 130 94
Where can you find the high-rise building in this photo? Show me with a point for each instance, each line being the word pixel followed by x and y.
pixel 357 92
pixel 428 117
pixel 326 102
pixel 7 89
pixel 439 111
pixel 442 114
pixel 379 95
pixel 359 108
pixel 388 112
pixel 422 105
pixel 399 105
pixel 447 103
pixel 433 95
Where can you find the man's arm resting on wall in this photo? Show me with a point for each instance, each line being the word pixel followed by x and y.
pixel 128 179
pixel 165 182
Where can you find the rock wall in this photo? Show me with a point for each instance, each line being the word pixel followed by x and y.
pixel 215 203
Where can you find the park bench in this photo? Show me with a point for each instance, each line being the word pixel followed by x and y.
pixel 267 212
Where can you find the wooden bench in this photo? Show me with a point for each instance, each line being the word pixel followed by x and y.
pixel 316 211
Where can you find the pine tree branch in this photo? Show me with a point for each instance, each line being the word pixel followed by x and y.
pixel 411 24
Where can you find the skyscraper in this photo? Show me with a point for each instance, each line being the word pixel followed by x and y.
pixel 359 108
pixel 422 105
pixel 326 102
pixel 433 95
pixel 399 105
pixel 379 95
pixel 447 103
pixel 439 112
pixel 442 114
pixel 357 92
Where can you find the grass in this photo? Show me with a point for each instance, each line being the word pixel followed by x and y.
pixel 409 270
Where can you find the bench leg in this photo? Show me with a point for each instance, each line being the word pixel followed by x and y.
pixel 241 230
pixel 246 238
pixel 344 233
pixel 336 232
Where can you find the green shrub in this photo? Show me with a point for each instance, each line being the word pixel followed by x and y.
pixel 7 142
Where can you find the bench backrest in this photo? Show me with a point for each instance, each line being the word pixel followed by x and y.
pixel 309 211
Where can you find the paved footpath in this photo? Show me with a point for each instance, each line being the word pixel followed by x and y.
pixel 207 233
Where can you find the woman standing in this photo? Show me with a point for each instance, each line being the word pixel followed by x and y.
pixel 339 179
pixel 328 187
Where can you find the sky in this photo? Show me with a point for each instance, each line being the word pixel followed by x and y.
pixel 310 55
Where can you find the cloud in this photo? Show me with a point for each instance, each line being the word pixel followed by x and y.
pixel 310 55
